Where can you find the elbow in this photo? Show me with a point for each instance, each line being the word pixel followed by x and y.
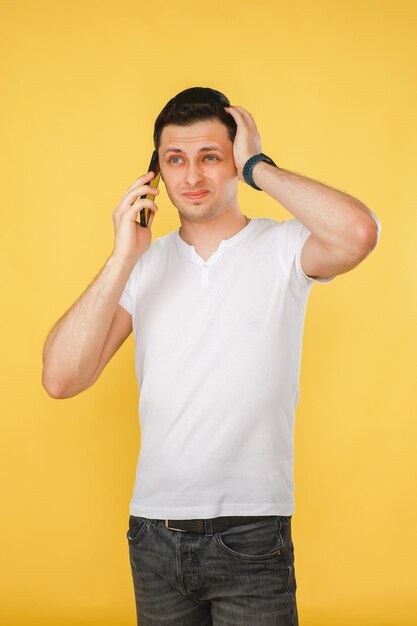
pixel 51 389
pixel 52 386
pixel 368 234
pixel 60 391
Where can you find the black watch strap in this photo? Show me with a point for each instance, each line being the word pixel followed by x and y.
pixel 248 167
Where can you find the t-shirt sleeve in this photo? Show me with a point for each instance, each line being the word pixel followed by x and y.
pixel 297 235
pixel 127 298
pixel 378 223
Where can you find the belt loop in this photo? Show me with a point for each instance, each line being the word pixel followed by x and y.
pixel 208 528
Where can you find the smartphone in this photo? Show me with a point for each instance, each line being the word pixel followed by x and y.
pixel 153 167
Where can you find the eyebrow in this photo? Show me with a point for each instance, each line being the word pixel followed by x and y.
pixel 205 149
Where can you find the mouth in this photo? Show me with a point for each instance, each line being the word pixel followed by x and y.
pixel 196 196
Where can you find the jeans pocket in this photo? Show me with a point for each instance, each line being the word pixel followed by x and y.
pixel 256 541
pixel 137 527
pixel 288 546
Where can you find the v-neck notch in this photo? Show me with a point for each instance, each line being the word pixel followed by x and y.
pixel 190 251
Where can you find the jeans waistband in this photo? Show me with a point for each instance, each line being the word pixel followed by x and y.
pixel 214 524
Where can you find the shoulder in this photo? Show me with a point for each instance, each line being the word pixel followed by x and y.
pixel 288 231
pixel 160 246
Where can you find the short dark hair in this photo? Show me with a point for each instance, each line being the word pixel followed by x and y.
pixel 194 105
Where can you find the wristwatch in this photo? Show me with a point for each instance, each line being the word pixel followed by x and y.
pixel 247 168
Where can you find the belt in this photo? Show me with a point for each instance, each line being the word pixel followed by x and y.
pixel 217 523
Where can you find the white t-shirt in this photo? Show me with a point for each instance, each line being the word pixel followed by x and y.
pixel 217 358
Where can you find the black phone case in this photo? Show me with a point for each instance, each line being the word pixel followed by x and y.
pixel 153 167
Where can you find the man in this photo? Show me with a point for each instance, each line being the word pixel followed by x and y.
pixel 217 311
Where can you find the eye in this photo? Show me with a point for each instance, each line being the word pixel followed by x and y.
pixel 206 157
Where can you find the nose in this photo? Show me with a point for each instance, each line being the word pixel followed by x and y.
pixel 193 175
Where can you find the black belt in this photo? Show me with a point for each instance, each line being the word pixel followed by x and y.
pixel 217 523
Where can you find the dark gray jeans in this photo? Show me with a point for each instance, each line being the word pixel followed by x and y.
pixel 241 576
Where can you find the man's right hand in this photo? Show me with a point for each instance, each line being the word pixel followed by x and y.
pixel 131 240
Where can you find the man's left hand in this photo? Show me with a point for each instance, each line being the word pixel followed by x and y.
pixel 247 140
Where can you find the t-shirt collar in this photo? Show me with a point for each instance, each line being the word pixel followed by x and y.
pixel 225 243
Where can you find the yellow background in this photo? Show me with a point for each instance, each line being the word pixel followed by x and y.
pixel 332 87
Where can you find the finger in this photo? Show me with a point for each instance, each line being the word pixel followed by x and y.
pixel 235 109
pixel 241 110
pixel 134 211
pixel 140 182
pixel 244 113
pixel 152 215
pixel 141 203
pixel 141 191
pixel 242 117
pixel 232 110
pixel 134 208
pixel 145 178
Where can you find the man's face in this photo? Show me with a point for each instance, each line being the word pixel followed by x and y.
pixel 196 158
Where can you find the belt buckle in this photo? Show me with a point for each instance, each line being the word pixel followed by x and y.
pixel 180 530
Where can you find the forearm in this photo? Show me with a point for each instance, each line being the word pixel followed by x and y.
pixel 334 217
pixel 74 345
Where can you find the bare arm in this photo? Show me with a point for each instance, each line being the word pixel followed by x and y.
pixel 85 337
pixel 74 345
pixel 343 230
pixel 335 219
